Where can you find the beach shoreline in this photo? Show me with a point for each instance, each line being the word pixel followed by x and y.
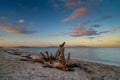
pixel 14 69
pixel 98 62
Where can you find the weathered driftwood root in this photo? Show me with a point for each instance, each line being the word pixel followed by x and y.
pixel 56 60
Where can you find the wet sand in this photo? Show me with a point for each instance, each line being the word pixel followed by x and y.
pixel 12 68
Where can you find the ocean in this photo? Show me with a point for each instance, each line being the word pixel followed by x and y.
pixel 101 55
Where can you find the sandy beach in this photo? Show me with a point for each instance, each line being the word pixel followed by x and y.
pixel 13 67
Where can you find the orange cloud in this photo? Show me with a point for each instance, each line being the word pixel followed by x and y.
pixel 78 31
pixel 72 3
pixel 76 13
pixel 15 29
pixel 10 29
pixel 79 3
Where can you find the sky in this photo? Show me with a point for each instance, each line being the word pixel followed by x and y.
pixel 51 22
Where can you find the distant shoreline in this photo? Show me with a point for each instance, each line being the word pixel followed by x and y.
pixel 65 46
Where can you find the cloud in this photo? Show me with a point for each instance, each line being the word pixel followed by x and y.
pixel 61 34
pixel 102 18
pixel 79 7
pixel 21 21
pixel 107 31
pixel 110 30
pixel 114 29
pixel 85 22
pixel 78 3
pixel 73 3
pixel 78 31
pixel 82 31
pixel 15 29
pixel 107 17
pixel 91 37
pixel 95 25
pixel 76 13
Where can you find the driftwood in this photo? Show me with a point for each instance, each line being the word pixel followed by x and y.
pixel 56 60
pixel 14 52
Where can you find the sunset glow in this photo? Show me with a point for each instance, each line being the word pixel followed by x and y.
pixel 51 22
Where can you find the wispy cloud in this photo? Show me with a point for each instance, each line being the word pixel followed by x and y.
pixel 115 29
pixel 14 28
pixel 91 37
pixel 107 17
pixel 61 34
pixel 100 19
pixel 79 7
pixel 76 13
pixel 79 3
pixel 102 32
pixel 73 3
pixel 91 33
pixel 78 31
pixel 21 21
pixel 95 25
pixel 85 22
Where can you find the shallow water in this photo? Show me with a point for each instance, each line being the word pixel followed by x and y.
pixel 102 55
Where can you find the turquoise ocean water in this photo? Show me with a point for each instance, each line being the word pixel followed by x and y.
pixel 102 55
